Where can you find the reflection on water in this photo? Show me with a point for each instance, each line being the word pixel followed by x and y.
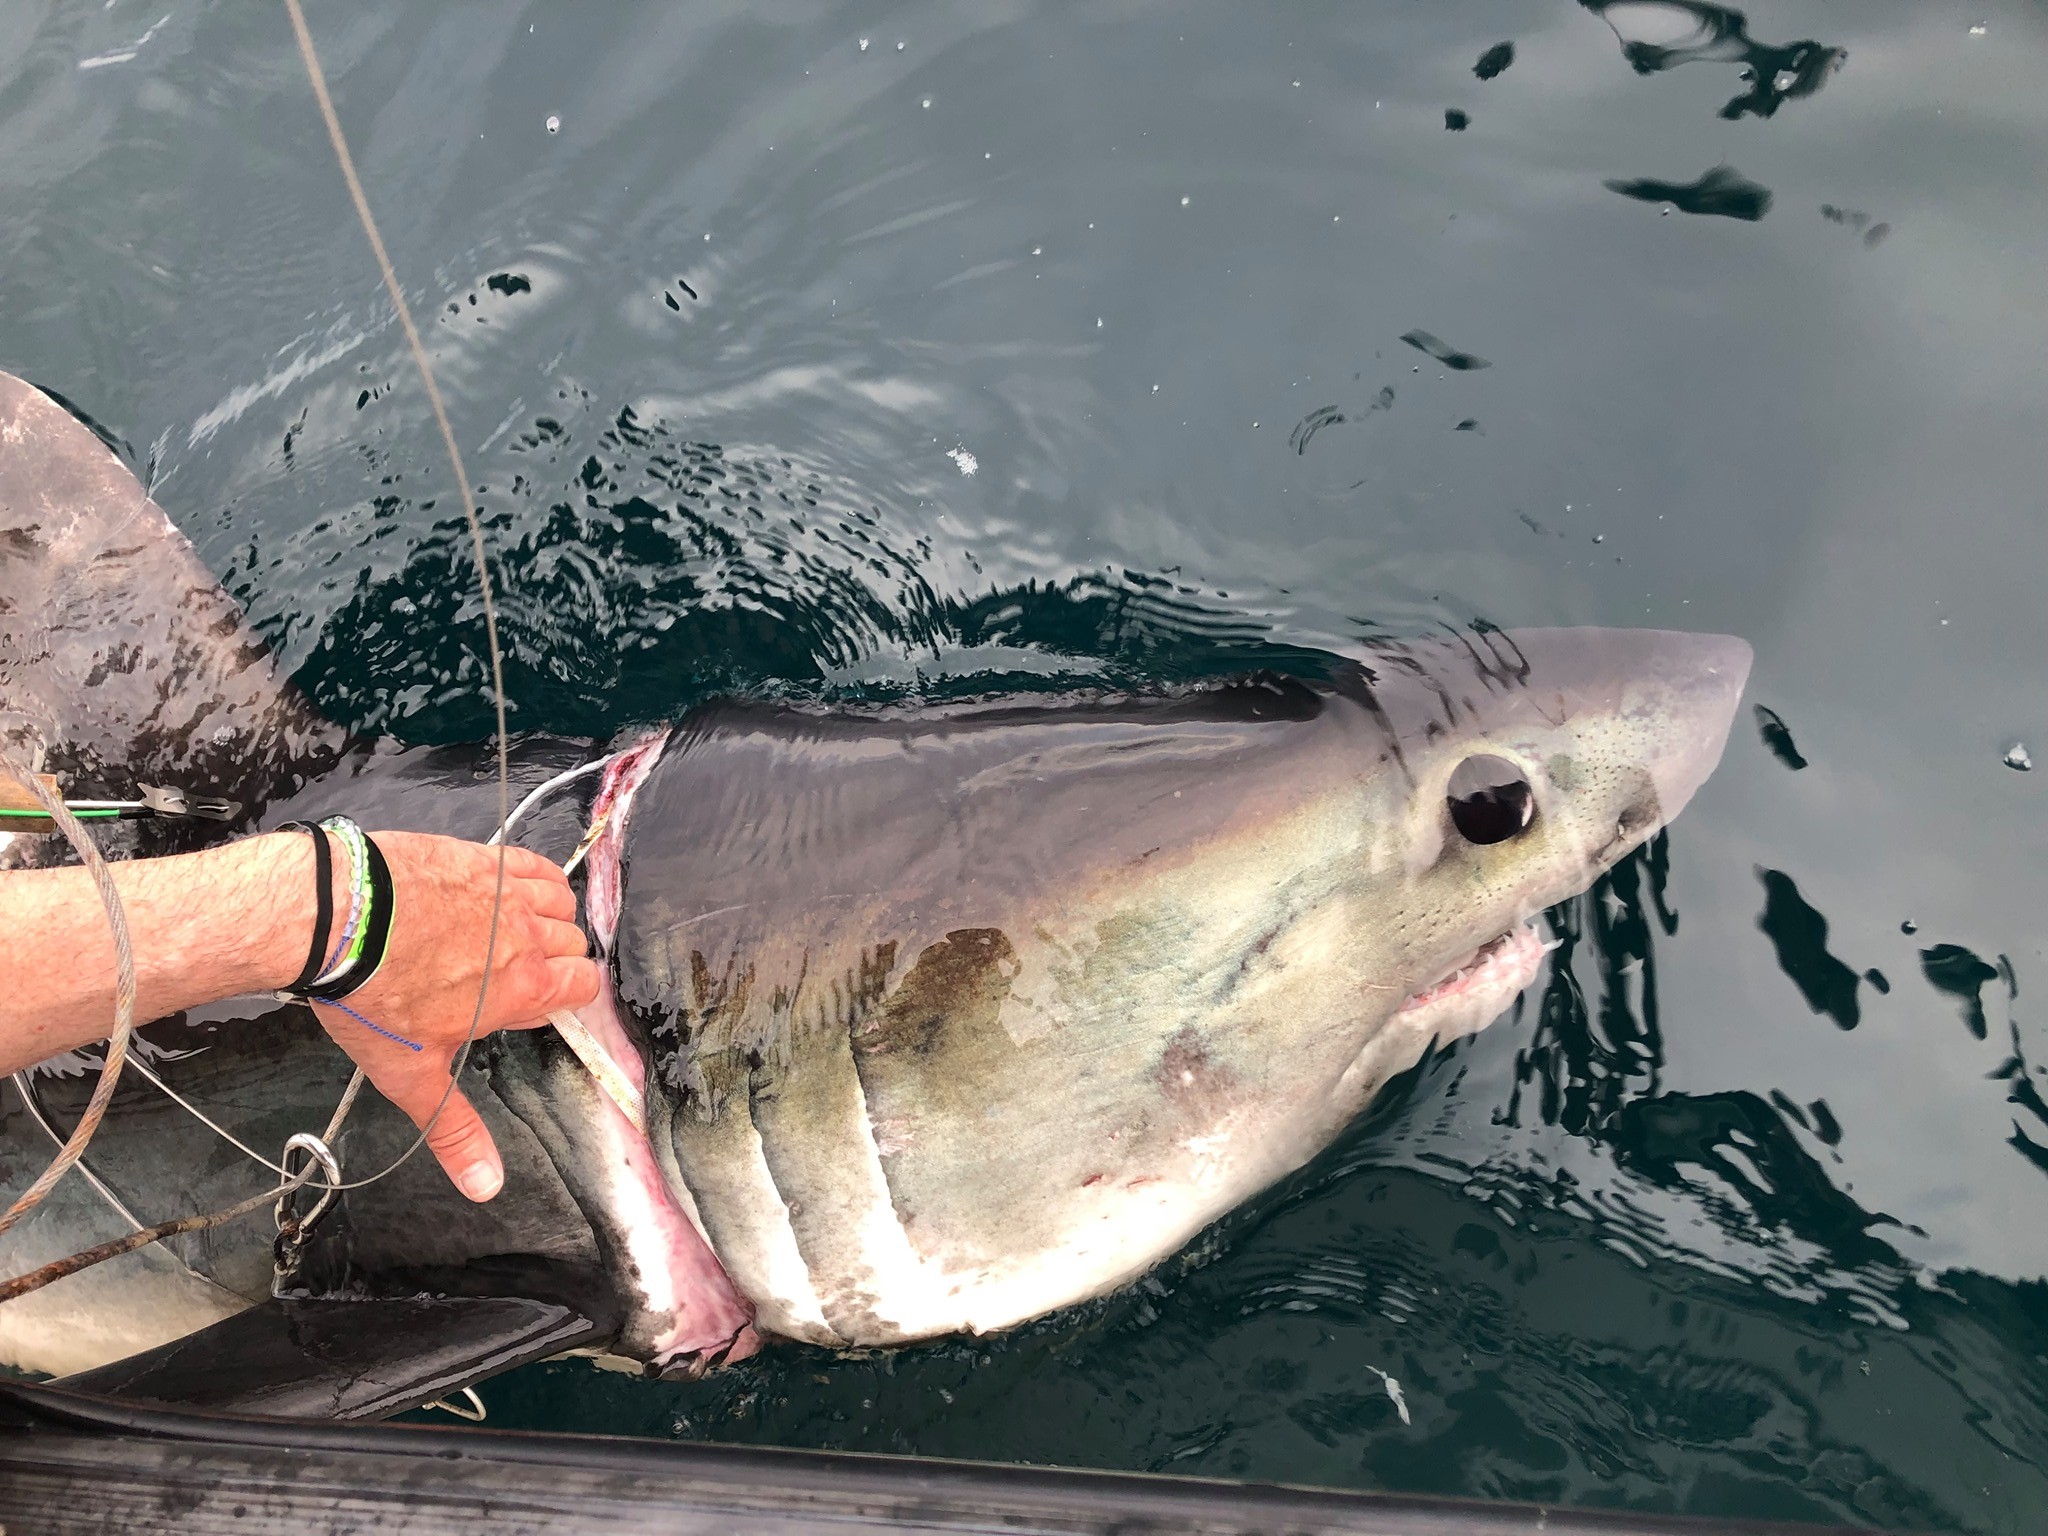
pixel 1589 1058
pixel 1717 34
pixel 1723 190
pixel 1800 936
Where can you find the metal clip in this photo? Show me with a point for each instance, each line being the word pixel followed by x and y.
pixel 164 800
pixel 475 1412
pixel 293 1229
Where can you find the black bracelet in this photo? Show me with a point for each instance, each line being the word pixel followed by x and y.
pixel 323 903
pixel 376 934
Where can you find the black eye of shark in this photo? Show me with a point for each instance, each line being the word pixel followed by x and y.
pixel 1490 799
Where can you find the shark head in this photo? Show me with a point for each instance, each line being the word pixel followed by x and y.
pixel 1530 765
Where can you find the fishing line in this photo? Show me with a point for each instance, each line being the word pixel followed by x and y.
pixel 27 1089
pixel 117 1043
pixel 318 80
pixel 541 791
pixel 57 1269
pixel 136 1064
pixel 124 991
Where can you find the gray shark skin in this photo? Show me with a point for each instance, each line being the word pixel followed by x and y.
pixel 947 1017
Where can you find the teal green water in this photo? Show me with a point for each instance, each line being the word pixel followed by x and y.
pixel 1741 1211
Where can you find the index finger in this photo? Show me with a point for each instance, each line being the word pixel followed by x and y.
pixel 525 864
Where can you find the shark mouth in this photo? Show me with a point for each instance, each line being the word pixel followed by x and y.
pixel 1479 987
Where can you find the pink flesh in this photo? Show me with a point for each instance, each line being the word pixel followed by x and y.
pixel 708 1317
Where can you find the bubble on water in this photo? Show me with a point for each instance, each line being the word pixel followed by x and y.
pixel 901 46
pixel 863 45
pixel 2017 756
pixel 1098 322
pixel 926 103
pixel 1183 202
pixel 1155 389
pixel 1598 538
pixel 554 123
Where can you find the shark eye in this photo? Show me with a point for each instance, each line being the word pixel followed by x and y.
pixel 1490 800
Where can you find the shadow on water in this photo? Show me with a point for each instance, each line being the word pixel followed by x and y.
pixel 652 567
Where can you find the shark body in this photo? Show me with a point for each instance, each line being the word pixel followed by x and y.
pixel 946 1017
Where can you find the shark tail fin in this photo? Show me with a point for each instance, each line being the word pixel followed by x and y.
pixel 122 660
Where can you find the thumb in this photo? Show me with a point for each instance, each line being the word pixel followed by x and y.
pixel 456 1137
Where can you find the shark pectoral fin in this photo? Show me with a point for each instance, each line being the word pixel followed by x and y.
pixel 330 1358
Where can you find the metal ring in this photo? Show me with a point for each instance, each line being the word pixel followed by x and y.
pixel 327 1163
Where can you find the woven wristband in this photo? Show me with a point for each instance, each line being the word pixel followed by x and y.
pixel 376 931
pixel 323 905
pixel 349 946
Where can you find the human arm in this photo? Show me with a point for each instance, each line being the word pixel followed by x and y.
pixel 239 919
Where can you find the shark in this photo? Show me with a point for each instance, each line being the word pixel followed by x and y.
pixel 943 1017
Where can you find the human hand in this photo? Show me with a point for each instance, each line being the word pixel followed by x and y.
pixel 426 990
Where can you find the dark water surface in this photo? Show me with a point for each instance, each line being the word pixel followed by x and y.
pixel 1259 328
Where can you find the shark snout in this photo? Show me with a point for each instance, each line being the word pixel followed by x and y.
pixel 1701 683
pixel 1644 713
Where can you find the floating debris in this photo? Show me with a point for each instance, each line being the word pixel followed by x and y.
pixel 1393 1393
pixel 1444 352
pixel 968 462
pixel 1724 191
pixel 1457 121
pixel 1494 60
pixel 2016 756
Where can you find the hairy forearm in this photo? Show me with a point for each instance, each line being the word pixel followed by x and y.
pixel 203 926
